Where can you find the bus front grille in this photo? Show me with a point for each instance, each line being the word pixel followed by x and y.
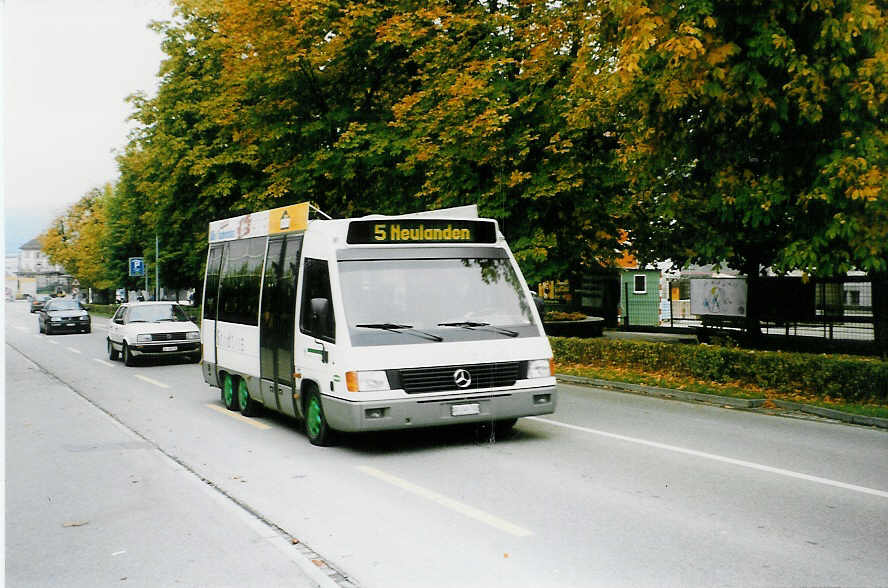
pixel 448 378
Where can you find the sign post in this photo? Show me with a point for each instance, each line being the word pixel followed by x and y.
pixel 137 269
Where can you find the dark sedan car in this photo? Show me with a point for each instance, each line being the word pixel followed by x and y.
pixel 63 314
pixel 37 302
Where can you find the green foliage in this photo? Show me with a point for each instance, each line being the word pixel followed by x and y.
pixel 852 379
pixel 751 132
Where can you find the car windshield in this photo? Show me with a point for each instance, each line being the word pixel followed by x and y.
pixel 156 313
pixel 63 305
pixel 401 301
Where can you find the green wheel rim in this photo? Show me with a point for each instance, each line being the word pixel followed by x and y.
pixel 243 394
pixel 313 418
pixel 228 390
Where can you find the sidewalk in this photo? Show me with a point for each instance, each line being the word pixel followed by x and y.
pixel 90 503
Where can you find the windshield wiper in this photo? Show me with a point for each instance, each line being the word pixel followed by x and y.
pixel 471 325
pixel 396 328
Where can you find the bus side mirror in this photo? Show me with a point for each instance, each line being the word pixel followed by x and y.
pixel 320 316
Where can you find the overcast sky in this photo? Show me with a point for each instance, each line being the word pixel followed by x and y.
pixel 68 66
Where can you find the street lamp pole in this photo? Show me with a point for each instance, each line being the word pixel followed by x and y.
pixel 156 268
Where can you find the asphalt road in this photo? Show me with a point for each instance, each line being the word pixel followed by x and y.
pixel 612 490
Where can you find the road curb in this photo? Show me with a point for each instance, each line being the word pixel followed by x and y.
pixel 838 415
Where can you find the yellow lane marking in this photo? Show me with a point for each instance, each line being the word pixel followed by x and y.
pixel 440 499
pixel 72 350
pixel 238 416
pixel 151 381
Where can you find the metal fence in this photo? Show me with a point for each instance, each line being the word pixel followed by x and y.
pixel 832 310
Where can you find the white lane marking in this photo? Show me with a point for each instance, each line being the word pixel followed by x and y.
pixel 151 381
pixel 53 342
pixel 464 509
pixel 104 363
pixel 72 350
pixel 738 462
pixel 238 416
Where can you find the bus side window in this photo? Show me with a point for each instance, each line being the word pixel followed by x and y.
pixel 211 289
pixel 316 318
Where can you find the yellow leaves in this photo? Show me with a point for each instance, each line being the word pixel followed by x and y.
pixel 683 48
pixel 868 186
pixel 720 54
pixel 517 177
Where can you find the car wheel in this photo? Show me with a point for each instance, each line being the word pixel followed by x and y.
pixel 47 329
pixel 316 427
pixel 248 406
pixel 88 329
pixel 194 358
pixel 39 326
pixel 229 397
pixel 128 358
pixel 112 353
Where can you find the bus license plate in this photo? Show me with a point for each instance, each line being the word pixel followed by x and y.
pixel 465 409
pixel 173 348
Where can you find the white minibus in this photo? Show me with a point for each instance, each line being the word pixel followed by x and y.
pixel 372 323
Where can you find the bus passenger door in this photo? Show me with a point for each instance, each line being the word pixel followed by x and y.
pixel 316 342
pixel 277 322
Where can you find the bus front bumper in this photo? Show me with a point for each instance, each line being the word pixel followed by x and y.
pixel 407 413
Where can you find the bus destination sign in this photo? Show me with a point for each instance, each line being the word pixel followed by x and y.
pixel 414 231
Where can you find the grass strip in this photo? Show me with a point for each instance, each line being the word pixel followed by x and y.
pixel 732 390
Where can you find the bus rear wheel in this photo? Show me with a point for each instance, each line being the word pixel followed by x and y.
pixel 316 427
pixel 229 397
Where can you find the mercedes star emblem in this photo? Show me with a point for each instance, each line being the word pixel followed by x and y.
pixel 462 378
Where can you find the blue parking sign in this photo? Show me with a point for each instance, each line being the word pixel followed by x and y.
pixel 136 266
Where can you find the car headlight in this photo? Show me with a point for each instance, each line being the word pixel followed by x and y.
pixel 192 335
pixel 366 381
pixel 143 338
pixel 56 319
pixel 540 368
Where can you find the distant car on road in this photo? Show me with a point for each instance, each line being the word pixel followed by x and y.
pixel 63 314
pixel 37 302
pixel 152 329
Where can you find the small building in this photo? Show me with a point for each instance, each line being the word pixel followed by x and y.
pixel 639 293
pixel 36 274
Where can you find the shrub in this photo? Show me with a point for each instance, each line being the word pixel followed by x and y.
pixel 850 378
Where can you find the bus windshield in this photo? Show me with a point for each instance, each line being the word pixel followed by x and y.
pixel 400 301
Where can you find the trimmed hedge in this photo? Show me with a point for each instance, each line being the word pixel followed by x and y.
pixel 859 380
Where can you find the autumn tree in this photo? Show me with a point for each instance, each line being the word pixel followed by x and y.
pixel 75 240
pixel 752 133
pixel 380 107
pixel 314 89
pixel 182 167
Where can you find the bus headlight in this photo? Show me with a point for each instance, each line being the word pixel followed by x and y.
pixel 366 381
pixel 540 368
